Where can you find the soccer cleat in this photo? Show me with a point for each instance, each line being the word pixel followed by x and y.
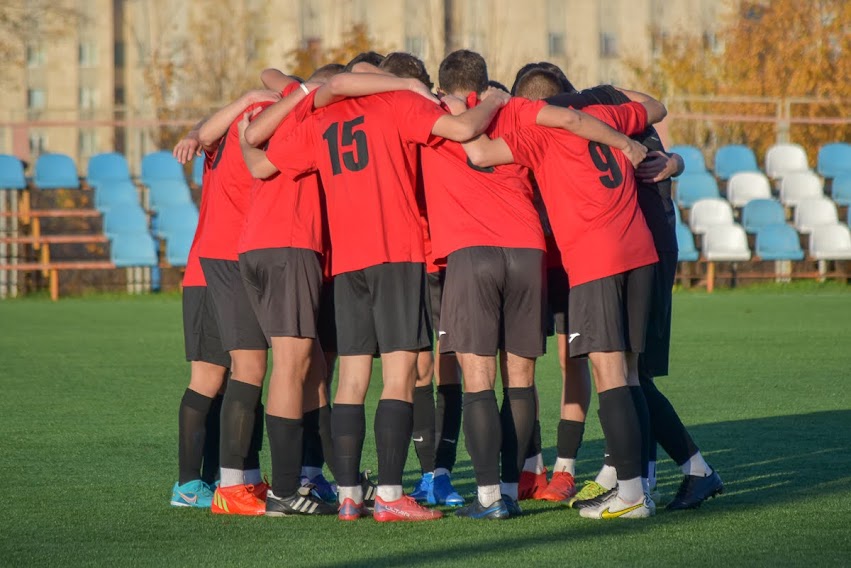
pixel 562 487
pixel 613 507
pixel 237 500
pixel 475 510
pixel 403 509
pixel 194 493
pixel 305 501
pixel 424 491
pixel 326 490
pixel 590 490
pixel 444 494
pixel 370 489
pixel 351 511
pixel 531 485
pixel 512 505
pixel 694 490
pixel 260 490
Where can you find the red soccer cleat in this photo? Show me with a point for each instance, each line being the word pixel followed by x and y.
pixel 404 509
pixel 532 485
pixel 237 500
pixel 260 490
pixel 351 511
pixel 561 488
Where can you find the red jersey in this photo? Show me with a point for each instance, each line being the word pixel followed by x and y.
pixel 284 212
pixel 194 276
pixel 365 150
pixel 589 190
pixel 230 183
pixel 471 206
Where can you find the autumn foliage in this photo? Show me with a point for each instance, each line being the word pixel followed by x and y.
pixel 306 59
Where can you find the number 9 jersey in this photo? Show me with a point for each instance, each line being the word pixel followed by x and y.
pixel 589 191
pixel 365 150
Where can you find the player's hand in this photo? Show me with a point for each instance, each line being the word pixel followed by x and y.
pixel 455 105
pixel 243 124
pixel 500 96
pixel 656 167
pixel 262 96
pixel 416 86
pixel 635 152
pixel 187 148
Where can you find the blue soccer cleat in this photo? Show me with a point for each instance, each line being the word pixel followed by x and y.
pixel 424 492
pixel 444 494
pixel 194 493
pixel 326 490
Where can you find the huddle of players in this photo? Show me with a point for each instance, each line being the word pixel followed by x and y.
pixel 377 216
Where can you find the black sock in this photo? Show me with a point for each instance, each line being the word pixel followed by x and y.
pixel 285 447
pixel 348 426
pixel 312 455
pixel 239 409
pixel 192 433
pixel 483 435
pixel 644 425
pixel 517 418
pixel 210 467
pixel 569 438
pixel 325 437
pixel 252 460
pixel 424 427
pixel 619 420
pixel 535 443
pixel 447 425
pixel 394 424
pixel 666 426
pixel 607 455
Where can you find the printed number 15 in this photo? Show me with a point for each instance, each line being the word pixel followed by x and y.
pixel 355 159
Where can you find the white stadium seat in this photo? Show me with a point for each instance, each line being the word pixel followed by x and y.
pixel 708 212
pixel 812 213
pixel 747 186
pixel 798 186
pixel 830 242
pixel 726 243
pixel 784 158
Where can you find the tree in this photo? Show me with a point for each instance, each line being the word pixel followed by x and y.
pixel 23 22
pixel 306 59
pixel 781 49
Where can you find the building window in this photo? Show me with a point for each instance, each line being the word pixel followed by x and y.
pixel 415 45
pixel 608 45
pixel 38 142
pixel 35 56
pixel 118 54
pixel 36 99
pixel 88 98
pixel 119 96
pixel 88 142
pixel 555 44
pixel 88 54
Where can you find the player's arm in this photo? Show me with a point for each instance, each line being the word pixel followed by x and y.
pixel 656 111
pixel 591 128
pixel 659 166
pixel 484 152
pixel 275 79
pixel 262 127
pixel 364 67
pixel 217 125
pixel 189 145
pixel 348 85
pixel 255 159
pixel 473 122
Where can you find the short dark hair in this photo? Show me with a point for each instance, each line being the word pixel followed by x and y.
pixel 370 57
pixel 498 85
pixel 327 71
pixel 404 64
pixel 463 70
pixel 566 85
pixel 538 84
pixel 522 71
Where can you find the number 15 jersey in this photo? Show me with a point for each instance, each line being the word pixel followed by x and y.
pixel 590 194
pixel 365 150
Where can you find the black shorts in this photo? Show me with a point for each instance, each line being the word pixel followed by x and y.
pixel 494 298
pixel 610 314
pixel 283 286
pixel 382 309
pixel 238 325
pixel 657 346
pixel 435 296
pixel 200 330
pixel 327 325
pixel 558 292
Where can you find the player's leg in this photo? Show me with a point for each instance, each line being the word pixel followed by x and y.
pixel 318 447
pixel 517 418
pixel 424 426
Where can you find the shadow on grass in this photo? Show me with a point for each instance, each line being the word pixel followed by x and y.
pixel 765 461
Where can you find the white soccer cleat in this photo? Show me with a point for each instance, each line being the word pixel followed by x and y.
pixel 616 508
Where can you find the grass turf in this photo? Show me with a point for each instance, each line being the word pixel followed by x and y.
pixel 88 416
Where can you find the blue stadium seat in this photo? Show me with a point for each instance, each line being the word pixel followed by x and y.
pixel 762 212
pixel 106 168
pixel 834 159
pixel 841 191
pixel 124 220
pixel 161 165
pixel 694 187
pixel 692 158
pixel 133 249
pixel 56 171
pixel 733 159
pixel 176 218
pixel 12 173
pixel 778 242
pixel 115 194
pixel 177 247
pixel 685 243
pixel 165 193
pixel 198 171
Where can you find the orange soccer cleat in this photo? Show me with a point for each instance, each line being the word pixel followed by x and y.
pixel 260 490
pixel 237 500
pixel 351 511
pixel 561 488
pixel 404 509
pixel 532 485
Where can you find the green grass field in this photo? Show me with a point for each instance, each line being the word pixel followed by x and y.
pixel 88 415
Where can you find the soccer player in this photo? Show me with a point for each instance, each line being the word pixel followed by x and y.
pixel 608 252
pixel 365 151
